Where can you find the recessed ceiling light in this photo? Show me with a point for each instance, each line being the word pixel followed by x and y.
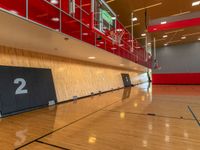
pixel 55 19
pixel 91 57
pixel 165 44
pixel 54 1
pixel 163 22
pixel 149 43
pixel 183 37
pixel 134 19
pixel 121 64
pixel 165 36
pixel 196 3
pixel 199 39
pixel 143 34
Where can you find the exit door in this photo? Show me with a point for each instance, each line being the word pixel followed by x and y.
pixel 126 80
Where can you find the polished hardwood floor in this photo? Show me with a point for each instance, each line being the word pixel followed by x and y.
pixel 142 117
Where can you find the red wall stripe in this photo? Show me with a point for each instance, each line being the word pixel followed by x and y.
pixel 178 78
pixel 174 25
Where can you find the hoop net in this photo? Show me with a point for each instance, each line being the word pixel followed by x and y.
pixel 116 36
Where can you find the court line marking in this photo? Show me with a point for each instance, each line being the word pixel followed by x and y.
pixel 149 114
pixel 193 114
pixel 52 145
pixel 90 114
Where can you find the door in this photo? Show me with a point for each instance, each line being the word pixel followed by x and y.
pixel 126 80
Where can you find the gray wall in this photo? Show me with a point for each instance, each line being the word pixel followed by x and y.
pixel 179 59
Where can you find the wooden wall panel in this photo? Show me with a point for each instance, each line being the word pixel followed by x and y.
pixel 71 77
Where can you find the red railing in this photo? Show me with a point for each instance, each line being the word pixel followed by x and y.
pixel 55 14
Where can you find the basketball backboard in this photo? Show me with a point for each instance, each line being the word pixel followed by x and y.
pixel 104 19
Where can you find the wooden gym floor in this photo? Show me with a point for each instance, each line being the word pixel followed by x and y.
pixel 142 117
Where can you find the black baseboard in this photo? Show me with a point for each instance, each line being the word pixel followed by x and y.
pixel 94 94
pixel 66 101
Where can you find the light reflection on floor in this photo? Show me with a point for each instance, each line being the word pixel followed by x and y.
pixel 144 116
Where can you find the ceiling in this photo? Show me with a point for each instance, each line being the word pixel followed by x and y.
pixel 156 9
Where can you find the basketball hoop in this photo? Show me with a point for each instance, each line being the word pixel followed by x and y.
pixel 116 36
pixel 156 65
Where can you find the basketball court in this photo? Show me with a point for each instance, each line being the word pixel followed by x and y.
pixel 99 75
pixel 105 121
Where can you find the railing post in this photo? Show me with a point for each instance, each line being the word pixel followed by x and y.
pixel 154 48
pixel 92 15
pixel 26 9
pixel 81 19
pixel 146 48
pixel 132 32
pixel 60 16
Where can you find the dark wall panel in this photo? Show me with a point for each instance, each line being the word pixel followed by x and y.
pixel 126 80
pixel 22 89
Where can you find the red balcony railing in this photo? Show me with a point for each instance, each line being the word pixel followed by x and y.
pixel 56 14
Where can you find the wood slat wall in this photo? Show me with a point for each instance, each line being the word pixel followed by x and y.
pixel 71 77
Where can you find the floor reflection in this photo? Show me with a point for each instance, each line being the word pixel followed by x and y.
pixel 123 111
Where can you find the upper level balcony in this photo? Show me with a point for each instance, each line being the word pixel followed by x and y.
pixel 90 21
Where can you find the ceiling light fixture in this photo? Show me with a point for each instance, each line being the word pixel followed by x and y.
pixel 150 6
pixel 165 36
pixel 134 19
pixel 196 3
pixel 182 13
pixel 183 37
pixel 175 31
pixel 121 64
pixel 143 34
pixel 192 34
pixel 163 22
pixel 199 39
pixel 176 41
pixel 110 1
pixel 165 44
pixel 91 57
